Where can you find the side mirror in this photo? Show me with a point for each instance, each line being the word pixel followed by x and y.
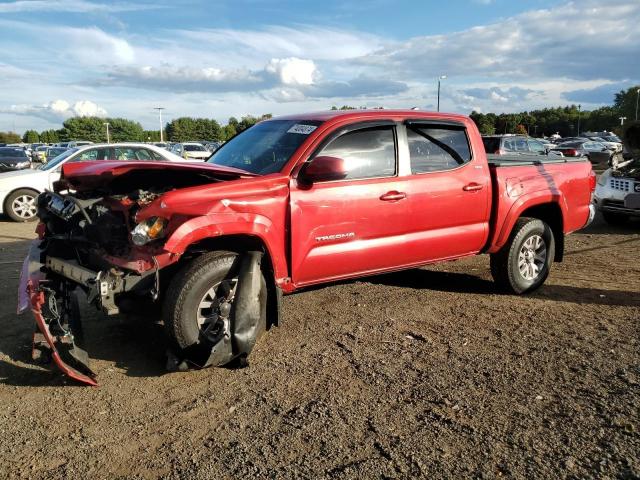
pixel 324 169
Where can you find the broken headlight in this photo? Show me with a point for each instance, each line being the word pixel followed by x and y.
pixel 148 230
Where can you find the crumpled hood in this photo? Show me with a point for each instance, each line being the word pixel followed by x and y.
pixel 630 170
pixel 95 174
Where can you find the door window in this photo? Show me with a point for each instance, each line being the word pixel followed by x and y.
pixel 367 153
pixel 434 149
pixel 93 154
pixel 536 147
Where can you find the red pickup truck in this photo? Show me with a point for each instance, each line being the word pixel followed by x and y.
pixel 291 202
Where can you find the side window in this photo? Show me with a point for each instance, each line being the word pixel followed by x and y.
pixel 434 149
pixel 536 146
pixel 521 145
pixel 124 153
pixel 143 154
pixel 154 155
pixel 87 155
pixel 367 153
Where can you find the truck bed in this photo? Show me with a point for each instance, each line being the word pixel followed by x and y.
pixel 518 160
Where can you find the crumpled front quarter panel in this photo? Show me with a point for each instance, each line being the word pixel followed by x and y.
pixel 256 207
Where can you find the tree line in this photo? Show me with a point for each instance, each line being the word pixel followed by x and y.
pixel 94 129
pixel 567 121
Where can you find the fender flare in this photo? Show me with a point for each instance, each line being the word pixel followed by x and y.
pixel 218 225
pixel 522 204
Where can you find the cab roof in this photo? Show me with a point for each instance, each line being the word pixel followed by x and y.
pixel 371 113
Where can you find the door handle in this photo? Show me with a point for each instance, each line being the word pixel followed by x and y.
pixel 472 187
pixel 393 196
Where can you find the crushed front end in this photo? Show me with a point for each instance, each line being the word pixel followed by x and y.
pixel 85 246
pixel 102 235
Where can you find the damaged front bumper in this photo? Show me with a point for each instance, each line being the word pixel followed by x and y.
pixel 58 335
pixel 50 339
pixel 49 287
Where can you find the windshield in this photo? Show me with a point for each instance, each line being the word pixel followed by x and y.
pixel 54 162
pixel 266 147
pixel 12 152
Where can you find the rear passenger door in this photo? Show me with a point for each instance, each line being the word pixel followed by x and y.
pixel 448 193
pixel 356 225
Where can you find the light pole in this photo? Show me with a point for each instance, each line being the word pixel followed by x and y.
pixel 579 108
pixel 441 77
pixel 107 125
pixel 622 119
pixel 637 98
pixel 160 114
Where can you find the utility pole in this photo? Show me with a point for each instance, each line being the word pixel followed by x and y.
pixel 441 77
pixel 579 109
pixel 107 125
pixel 622 119
pixel 637 98
pixel 160 114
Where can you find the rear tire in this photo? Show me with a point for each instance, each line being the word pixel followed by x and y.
pixel 20 206
pixel 616 219
pixel 190 287
pixel 523 263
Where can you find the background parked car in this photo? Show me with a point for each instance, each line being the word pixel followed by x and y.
pixel 596 152
pixel 19 189
pixel 514 145
pixel 191 151
pixel 39 154
pixel 14 158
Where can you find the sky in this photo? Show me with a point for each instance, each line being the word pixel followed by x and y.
pixel 215 59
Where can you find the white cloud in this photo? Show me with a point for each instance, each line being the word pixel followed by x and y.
pixel 92 46
pixel 292 70
pixel 78 6
pixel 576 40
pixel 58 110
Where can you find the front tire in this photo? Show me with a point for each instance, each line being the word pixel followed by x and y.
pixel 202 292
pixel 20 206
pixel 523 263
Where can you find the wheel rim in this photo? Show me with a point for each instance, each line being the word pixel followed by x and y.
pixel 214 308
pixel 532 257
pixel 24 206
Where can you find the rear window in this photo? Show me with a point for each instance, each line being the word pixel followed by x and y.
pixel 12 152
pixel 194 148
pixel 436 148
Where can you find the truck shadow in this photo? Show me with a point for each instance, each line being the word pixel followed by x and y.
pixel 454 282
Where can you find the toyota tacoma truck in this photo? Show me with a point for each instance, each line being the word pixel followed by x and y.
pixel 289 203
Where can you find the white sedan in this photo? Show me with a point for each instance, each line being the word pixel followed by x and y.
pixel 19 189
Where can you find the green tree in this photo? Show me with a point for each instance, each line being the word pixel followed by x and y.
pixel 625 103
pixel 30 136
pixel 95 130
pixel 122 130
pixel 485 123
pixel 49 136
pixel 10 137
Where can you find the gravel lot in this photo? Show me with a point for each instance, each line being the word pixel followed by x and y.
pixel 426 373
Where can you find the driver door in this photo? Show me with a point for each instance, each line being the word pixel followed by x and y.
pixel 356 225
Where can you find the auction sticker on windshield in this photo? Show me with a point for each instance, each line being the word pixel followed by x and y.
pixel 302 129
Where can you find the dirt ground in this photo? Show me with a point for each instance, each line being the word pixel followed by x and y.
pixel 425 373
